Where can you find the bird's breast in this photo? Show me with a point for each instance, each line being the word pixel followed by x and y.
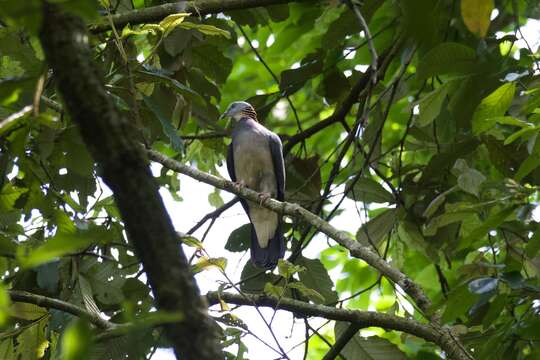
pixel 253 161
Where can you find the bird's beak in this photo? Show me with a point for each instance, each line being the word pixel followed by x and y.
pixel 224 115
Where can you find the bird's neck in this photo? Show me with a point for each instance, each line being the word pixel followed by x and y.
pixel 244 119
pixel 246 113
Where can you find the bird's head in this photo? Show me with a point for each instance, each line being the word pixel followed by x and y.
pixel 238 110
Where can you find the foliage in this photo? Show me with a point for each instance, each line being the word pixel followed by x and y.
pixel 444 167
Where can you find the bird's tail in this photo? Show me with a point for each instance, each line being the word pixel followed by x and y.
pixel 267 258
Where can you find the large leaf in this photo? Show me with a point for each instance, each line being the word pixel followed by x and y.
pixel 293 79
pixel 254 279
pixel 430 106
pixel 316 277
pixel 476 15
pixel 492 106
pixel 375 230
pixel 61 244
pixel 303 180
pixel 370 191
pixel 165 121
pixel 371 348
pixel 240 239
pixel 459 301
pixel 27 311
pixel 446 58
pixel 491 223
pixel 469 179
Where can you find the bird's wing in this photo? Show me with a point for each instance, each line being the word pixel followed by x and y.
pixel 232 175
pixel 276 151
pixel 230 162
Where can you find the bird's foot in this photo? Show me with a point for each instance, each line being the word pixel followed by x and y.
pixel 263 197
pixel 239 185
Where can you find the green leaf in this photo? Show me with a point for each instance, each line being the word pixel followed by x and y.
pixel 215 200
pixel 204 263
pixel 459 301
pixel 240 239
pixel 274 290
pixel 9 195
pixel 446 58
pixel 59 245
pixel 34 341
pixel 77 340
pixel 372 348
pixel 294 79
pixel 471 181
pixel 430 106
pixel 369 191
pixel 476 15
pixel 525 132
pixel 287 269
pixel 533 245
pixel 531 163
pixel 206 29
pixel 496 308
pixel 492 106
pixel 27 311
pixel 5 305
pixel 486 124
pixel 7 246
pixel 445 219
pixel 303 180
pixel 191 241
pixel 254 279
pixel 172 21
pixel 410 234
pixel 316 277
pixel 307 292
pixel 491 223
pixel 434 205
pixel 374 231
pixel 168 129
pixel 106 281
pixel 212 62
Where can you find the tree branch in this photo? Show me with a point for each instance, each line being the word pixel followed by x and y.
pixel 124 167
pixel 197 8
pixel 362 319
pixel 47 302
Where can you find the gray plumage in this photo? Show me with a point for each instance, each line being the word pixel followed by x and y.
pixel 255 159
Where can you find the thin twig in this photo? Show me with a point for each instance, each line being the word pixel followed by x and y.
pixel 371 46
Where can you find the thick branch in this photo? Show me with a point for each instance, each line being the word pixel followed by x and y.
pixel 363 319
pixel 124 168
pixel 197 8
pixel 51 303
pixel 295 210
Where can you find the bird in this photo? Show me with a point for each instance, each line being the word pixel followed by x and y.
pixel 255 160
